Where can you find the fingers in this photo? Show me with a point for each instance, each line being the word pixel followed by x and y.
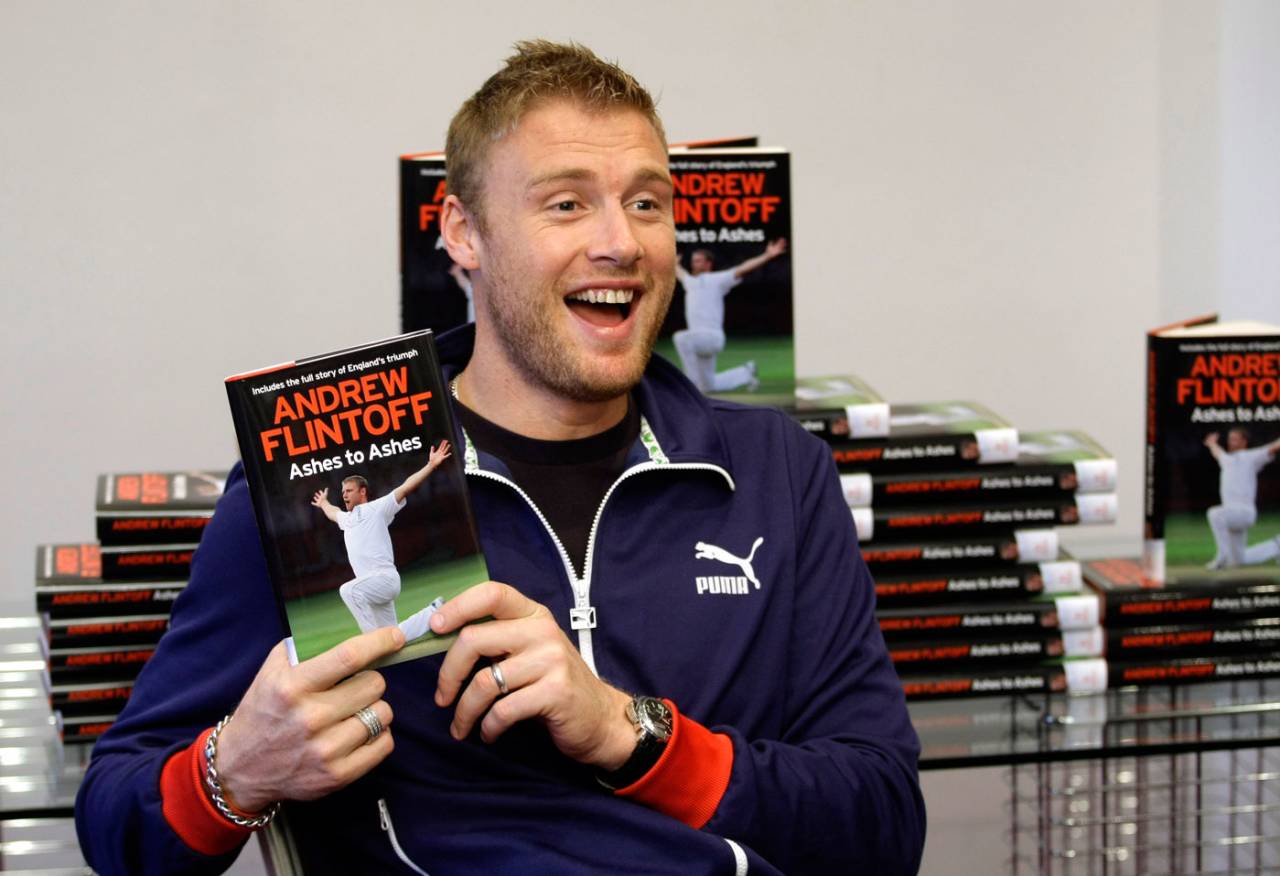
pixel 483 694
pixel 347 658
pixel 492 639
pixel 488 599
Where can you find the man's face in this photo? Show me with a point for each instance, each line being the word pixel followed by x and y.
pixel 353 494
pixel 1236 441
pixel 577 255
pixel 699 263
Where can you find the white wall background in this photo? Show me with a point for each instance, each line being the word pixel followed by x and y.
pixel 994 198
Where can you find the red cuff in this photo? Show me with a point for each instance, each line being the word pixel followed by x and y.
pixel 690 778
pixel 188 809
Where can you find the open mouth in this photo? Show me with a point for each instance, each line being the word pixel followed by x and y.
pixel 604 308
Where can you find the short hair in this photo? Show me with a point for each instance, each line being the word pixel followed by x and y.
pixel 358 480
pixel 706 254
pixel 1242 432
pixel 538 72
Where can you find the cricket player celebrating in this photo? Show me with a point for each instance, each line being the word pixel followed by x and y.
pixel 1238 490
pixel 371 594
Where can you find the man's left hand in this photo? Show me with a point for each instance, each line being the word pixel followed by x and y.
pixel 546 676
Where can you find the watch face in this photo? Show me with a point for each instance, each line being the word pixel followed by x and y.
pixel 653 716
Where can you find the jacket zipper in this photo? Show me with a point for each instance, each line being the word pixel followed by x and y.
pixel 384 818
pixel 582 617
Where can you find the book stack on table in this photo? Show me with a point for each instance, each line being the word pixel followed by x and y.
pixel 957 515
pixel 104 605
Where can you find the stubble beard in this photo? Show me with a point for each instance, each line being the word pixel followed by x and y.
pixel 527 327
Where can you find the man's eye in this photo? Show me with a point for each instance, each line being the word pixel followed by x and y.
pixel 646 204
pixel 566 206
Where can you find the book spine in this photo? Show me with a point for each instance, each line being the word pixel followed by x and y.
pixel 1175 670
pixel 106 631
pixel 988 551
pixel 107 600
pixel 1198 640
pixel 147 528
pixel 914 453
pixel 896 524
pixel 1162 607
pixel 1014 582
pixel 88 728
pixel 1074 676
pixel 991 651
pixel 976 621
pixel 857 421
pixel 75 701
pixel 158 563
pixel 1155 487
pixel 75 665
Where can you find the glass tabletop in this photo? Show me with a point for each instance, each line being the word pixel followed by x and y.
pixel 1166 719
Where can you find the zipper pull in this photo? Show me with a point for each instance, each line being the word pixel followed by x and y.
pixel 384 818
pixel 582 618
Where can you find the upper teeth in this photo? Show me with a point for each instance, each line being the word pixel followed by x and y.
pixel 604 296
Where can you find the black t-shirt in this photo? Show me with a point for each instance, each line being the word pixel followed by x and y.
pixel 566 479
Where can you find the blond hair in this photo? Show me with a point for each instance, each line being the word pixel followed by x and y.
pixel 538 72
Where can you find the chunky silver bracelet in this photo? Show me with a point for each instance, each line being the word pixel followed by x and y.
pixel 215 788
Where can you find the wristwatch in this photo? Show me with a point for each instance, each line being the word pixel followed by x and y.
pixel 652 720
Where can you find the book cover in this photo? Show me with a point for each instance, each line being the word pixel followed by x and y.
pixel 148 508
pixel 730 326
pixel 1131 599
pixel 935 435
pixel 975 620
pixel 362 505
pixel 931 654
pixel 833 408
pixel 946 555
pixel 1048 463
pixel 1212 492
pixel 1019 581
pixel 170 562
pixel 889 524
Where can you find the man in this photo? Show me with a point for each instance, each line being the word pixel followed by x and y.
pixel 529 746
pixel 703 338
pixel 1238 491
pixel 371 595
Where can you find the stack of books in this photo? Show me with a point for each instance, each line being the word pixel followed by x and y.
pixel 104 605
pixel 957 515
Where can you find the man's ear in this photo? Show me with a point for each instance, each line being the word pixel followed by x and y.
pixel 460 233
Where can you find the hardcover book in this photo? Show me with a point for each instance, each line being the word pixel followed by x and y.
pixel 1131 600
pixel 1020 581
pixel 979 620
pixel 937 435
pixel 832 408
pixel 995 549
pixel 730 326
pixel 931 654
pixel 1088 675
pixel 1198 639
pixel 1213 432
pixel 147 562
pixel 148 508
pixel 93 599
pixel 104 631
pixel 361 501
pixel 106 698
pixel 880 524
pixel 1048 463
pixel 68 564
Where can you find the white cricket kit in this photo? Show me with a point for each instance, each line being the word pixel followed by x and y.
pixel 1238 482
pixel 364 528
pixel 704 298
pixel 370 596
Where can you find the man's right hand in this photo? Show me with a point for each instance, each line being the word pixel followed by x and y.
pixel 295 735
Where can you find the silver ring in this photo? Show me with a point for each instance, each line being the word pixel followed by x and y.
pixel 369 718
pixel 498 679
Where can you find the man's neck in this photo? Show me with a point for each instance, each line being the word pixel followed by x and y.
pixel 500 394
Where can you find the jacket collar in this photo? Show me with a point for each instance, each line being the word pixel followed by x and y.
pixel 678 414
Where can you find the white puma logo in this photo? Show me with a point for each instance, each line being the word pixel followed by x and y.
pixel 704 551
